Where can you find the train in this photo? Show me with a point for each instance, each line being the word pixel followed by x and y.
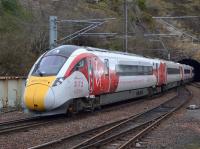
pixel 71 78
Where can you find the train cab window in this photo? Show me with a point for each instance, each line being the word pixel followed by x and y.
pixel 106 63
pixel 49 65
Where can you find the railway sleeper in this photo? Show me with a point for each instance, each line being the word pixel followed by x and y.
pixel 117 135
pixel 164 109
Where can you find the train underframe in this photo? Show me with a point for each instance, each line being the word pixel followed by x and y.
pixel 92 103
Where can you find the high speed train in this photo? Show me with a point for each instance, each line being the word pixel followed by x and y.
pixel 71 78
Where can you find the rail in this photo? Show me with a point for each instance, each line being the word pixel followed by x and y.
pixel 25 123
pixel 112 134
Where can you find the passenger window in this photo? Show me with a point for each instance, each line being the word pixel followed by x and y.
pixel 80 64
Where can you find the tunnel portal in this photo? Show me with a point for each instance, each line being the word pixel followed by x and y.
pixel 195 64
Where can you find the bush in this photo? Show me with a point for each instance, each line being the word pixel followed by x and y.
pixel 142 4
pixel 10 5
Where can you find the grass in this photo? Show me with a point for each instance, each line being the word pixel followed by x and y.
pixel 194 145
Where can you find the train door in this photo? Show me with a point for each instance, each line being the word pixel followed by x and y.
pixel 90 76
pixel 106 82
pixel 157 74
pixel 181 72
pixel 162 74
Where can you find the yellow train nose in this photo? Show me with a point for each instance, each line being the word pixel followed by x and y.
pixel 36 96
pixel 39 95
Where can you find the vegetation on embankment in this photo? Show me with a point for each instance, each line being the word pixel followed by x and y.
pixel 24 31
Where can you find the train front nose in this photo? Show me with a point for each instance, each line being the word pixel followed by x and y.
pixel 39 97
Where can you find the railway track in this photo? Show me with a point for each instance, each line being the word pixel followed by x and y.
pixel 195 84
pixel 3 111
pixel 23 124
pixel 124 133
pixel 26 123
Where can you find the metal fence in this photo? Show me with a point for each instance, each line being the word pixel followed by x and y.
pixel 11 91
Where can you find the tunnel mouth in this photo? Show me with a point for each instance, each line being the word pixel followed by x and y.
pixel 196 65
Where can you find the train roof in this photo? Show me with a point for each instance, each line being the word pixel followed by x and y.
pixel 67 50
pixel 64 50
pixel 111 51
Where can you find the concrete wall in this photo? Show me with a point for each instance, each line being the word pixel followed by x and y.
pixel 11 91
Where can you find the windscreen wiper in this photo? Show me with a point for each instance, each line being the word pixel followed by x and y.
pixel 40 73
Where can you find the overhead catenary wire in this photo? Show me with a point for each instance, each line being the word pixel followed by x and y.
pixel 91 28
pixel 93 23
pixel 185 33
pixel 86 20
pixel 163 35
pixel 175 17
pixel 76 32
pixel 179 33
pixel 100 34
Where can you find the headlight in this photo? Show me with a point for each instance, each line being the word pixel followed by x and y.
pixel 58 81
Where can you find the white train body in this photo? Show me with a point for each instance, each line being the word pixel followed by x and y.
pixel 72 78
